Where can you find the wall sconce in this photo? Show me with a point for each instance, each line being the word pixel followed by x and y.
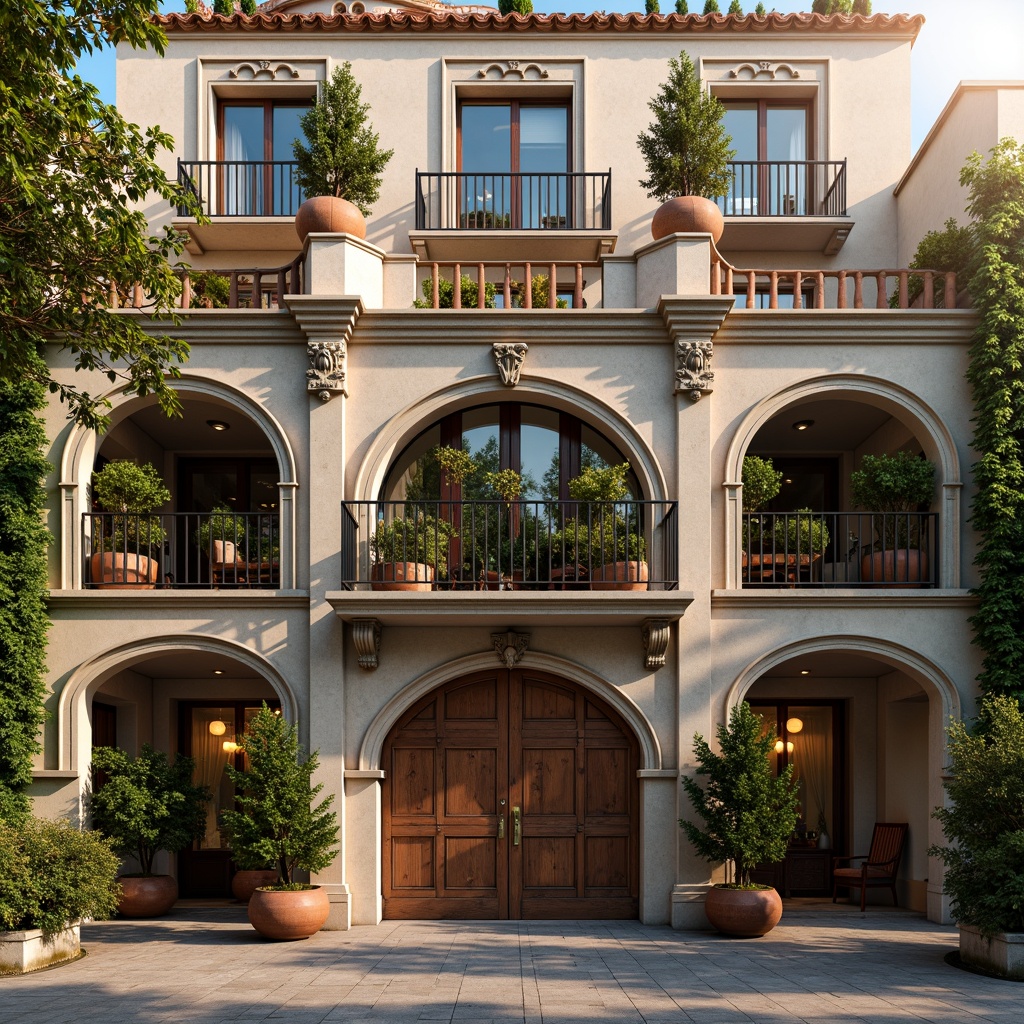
pixel 230 746
pixel 780 747
pixel 218 728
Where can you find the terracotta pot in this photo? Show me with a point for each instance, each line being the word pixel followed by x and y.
pixel 289 915
pixel 146 895
pixel 743 913
pixel 620 576
pixel 690 215
pixel 391 576
pixel 330 215
pixel 115 570
pixel 245 883
pixel 571 577
pixel 909 568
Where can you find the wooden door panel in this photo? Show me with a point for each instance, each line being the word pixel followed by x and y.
pixel 606 865
pixel 543 702
pixel 608 783
pixel 412 788
pixel 549 781
pixel 471 865
pixel 470 780
pixel 475 702
pixel 412 862
pixel 549 862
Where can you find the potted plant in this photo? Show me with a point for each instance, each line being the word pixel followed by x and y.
pixel 408 551
pixel 984 825
pixel 748 813
pixel 340 165
pixel 277 823
pixel 147 804
pixel 802 534
pixel 761 483
pixel 39 923
pixel 234 541
pixel 892 488
pixel 686 150
pixel 125 538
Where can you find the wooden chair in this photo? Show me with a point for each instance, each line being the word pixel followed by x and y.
pixel 880 864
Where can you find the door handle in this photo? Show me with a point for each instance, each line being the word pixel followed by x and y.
pixel 501 827
pixel 517 826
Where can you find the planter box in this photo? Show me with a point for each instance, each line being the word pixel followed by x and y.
pixel 21 952
pixel 1003 953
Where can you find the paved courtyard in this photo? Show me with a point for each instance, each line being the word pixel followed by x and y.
pixel 206 965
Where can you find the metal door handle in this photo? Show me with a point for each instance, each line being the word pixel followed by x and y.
pixel 501 827
pixel 517 829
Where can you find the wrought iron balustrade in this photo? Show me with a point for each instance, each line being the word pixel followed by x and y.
pixel 461 201
pixel 181 549
pixel 840 549
pixel 786 188
pixel 241 188
pixel 518 545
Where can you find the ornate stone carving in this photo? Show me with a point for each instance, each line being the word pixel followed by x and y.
pixel 764 69
pixel 326 373
pixel 510 359
pixel 655 633
pixel 510 647
pixel 262 69
pixel 366 635
pixel 693 368
pixel 513 69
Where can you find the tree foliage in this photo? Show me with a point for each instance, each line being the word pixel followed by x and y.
pixel 341 155
pixel 686 148
pixel 861 7
pixel 950 249
pixel 985 823
pixel 515 6
pixel 832 7
pixel 23 588
pixel 760 11
pixel 996 204
pixel 711 7
pixel 749 811
pixel 652 7
pixel 276 821
pixel 735 7
pixel 682 7
pixel 73 174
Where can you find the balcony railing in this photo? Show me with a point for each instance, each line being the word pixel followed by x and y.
pixel 786 188
pixel 840 549
pixel 497 545
pixel 498 284
pixel 457 201
pixel 181 549
pixel 241 188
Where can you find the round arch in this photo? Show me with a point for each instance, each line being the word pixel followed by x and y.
pixel 403 427
pixel 73 710
pixel 385 719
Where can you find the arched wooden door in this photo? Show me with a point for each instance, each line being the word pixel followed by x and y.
pixel 510 794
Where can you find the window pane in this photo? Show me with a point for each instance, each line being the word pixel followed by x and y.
pixel 787 144
pixel 286 131
pixel 480 439
pixel 486 194
pixel 538 454
pixel 242 174
pixel 211 729
pixel 416 476
pixel 740 122
pixel 809 729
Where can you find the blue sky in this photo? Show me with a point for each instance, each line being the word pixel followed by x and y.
pixel 961 40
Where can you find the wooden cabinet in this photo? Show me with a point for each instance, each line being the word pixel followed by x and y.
pixel 806 871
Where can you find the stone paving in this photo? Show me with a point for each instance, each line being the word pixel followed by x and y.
pixel 207 965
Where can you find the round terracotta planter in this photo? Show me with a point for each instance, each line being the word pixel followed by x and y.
pixel 743 913
pixel 620 576
pixel 689 215
pixel 330 215
pixel 909 568
pixel 401 576
pixel 115 570
pixel 146 895
pixel 245 883
pixel 289 915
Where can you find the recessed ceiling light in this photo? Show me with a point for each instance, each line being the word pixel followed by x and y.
pixel 218 671
pixel 788 480
pixel 218 425
pixel 803 424
pixel 805 671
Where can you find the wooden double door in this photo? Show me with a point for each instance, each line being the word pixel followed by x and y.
pixel 510 794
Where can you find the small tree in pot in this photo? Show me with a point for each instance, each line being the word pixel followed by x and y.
pixel 686 150
pixel 748 813
pixel 277 823
pixel 340 164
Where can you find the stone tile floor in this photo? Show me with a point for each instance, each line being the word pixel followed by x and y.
pixel 206 965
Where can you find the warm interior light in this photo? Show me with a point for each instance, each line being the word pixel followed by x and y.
pixel 218 728
pixel 230 746
pixel 779 746
pixel 789 748
pixel 218 425
pixel 218 671
pixel 803 424
pixel 794 725
pixel 805 671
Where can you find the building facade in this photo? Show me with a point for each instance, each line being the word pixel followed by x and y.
pixel 506 740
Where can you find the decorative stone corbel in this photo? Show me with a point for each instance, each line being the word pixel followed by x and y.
pixel 326 373
pixel 510 359
pixel 510 647
pixel 693 368
pixel 327 322
pixel 654 634
pixel 366 635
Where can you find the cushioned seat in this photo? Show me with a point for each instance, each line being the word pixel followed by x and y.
pixel 880 865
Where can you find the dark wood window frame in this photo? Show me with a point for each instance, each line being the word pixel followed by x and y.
pixel 515 106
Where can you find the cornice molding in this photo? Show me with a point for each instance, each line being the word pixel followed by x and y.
pixel 827 599
pixel 865 326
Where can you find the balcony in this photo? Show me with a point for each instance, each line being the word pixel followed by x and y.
pixel 251 204
pixel 786 206
pixel 470 217
pixel 181 550
pixel 887 550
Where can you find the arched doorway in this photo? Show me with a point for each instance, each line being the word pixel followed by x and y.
pixel 510 794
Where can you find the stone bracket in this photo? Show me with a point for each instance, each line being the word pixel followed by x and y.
pixel 327 322
pixel 510 647
pixel 366 636
pixel 654 634
pixel 691 324
pixel 693 368
pixel 510 359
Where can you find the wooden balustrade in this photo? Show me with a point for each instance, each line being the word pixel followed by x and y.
pixel 505 278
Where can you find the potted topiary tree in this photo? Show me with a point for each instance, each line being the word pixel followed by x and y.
pixel 748 813
pixel 408 551
pixel 147 804
pixel 892 488
pixel 340 164
pixel 123 540
pixel 277 823
pixel 761 483
pixel 686 150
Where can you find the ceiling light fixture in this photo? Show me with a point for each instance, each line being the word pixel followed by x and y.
pixel 794 725
pixel 805 671
pixel 218 728
pixel 218 425
pixel 803 424
pixel 218 671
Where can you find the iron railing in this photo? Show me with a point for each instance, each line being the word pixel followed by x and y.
pixel 241 188
pixel 181 549
pixel 459 201
pixel 518 545
pixel 840 549
pixel 786 188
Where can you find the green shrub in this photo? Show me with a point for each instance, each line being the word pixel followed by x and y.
pixel 682 7
pixel 736 7
pixel 950 249
pixel 894 484
pixel 131 492
pixel 651 7
pixel 210 290
pixel 418 538
pixel 248 8
pixel 801 532
pixel 224 7
pixel 711 7
pixel 985 823
pixel 51 874
pixel 515 6
pixel 446 294
pixel 761 482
